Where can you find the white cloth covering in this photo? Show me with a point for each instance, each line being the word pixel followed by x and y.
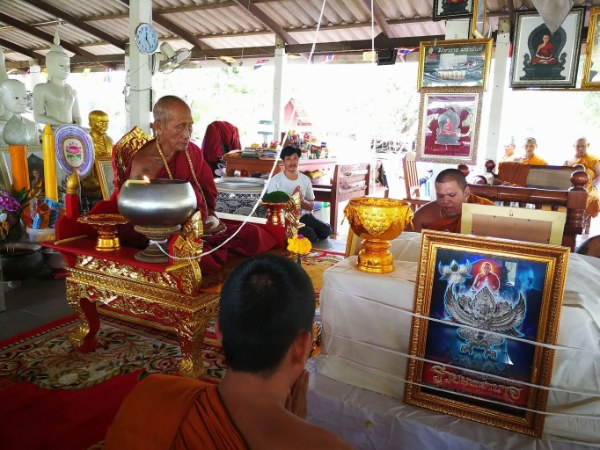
pixel 366 330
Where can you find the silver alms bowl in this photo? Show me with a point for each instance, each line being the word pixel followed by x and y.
pixel 160 203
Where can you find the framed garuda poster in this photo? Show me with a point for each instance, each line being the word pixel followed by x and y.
pixel 483 306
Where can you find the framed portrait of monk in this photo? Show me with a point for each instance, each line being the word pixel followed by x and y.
pixel 543 59
pixel 591 65
pixel 486 320
pixel 106 177
pixel 449 127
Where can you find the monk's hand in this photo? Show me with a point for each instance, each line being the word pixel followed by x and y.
pixel 212 225
pixel 296 401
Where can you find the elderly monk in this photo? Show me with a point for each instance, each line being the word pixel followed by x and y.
pixel 591 164
pixel 173 155
pixel 530 157
pixel 265 322
pixel 444 213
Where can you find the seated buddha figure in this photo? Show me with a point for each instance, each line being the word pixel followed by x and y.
pixel 14 128
pixel 55 102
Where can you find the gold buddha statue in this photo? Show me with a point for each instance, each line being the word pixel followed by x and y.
pixel 103 145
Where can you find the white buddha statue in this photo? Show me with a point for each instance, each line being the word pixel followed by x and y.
pixel 55 102
pixel 15 129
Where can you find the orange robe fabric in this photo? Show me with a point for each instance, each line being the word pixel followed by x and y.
pixel 452 224
pixel 593 200
pixel 166 412
pixel 535 161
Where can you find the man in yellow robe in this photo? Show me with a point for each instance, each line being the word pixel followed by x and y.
pixel 444 213
pixel 591 163
pixel 265 322
pixel 530 157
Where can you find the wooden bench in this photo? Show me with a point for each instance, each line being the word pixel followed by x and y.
pixel 349 181
pixel 574 200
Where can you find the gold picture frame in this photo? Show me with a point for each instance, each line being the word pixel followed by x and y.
pixel 487 376
pixel 106 177
pixel 479 26
pixel 591 74
pixel 449 126
pixel 458 64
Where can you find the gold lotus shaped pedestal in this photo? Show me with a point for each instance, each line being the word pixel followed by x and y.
pixel 377 221
pixel 157 250
pixel 106 226
pixel 275 213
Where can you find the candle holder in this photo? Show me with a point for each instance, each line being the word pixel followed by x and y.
pixel 107 227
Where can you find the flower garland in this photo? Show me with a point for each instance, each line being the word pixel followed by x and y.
pixel 299 245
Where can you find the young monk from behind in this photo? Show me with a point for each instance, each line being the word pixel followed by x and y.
pixel 265 321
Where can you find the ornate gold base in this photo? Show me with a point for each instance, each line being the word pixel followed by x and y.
pixel 275 213
pixel 107 244
pixel 155 252
pixel 375 257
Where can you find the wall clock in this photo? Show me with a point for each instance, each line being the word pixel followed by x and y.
pixel 146 38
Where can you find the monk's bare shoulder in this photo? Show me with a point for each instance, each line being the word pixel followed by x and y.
pixel 425 215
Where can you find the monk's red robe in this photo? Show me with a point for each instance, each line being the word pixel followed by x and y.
pixel 165 412
pixel 452 224
pixel 220 137
pixel 251 240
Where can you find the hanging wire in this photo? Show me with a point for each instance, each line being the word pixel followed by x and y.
pixel 264 190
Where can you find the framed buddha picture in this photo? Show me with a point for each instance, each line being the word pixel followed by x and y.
pixel 591 65
pixel 544 59
pixel 449 127
pixel 486 320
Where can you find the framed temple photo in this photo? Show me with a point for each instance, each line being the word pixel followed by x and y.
pixel 106 177
pixel 591 66
pixel 455 64
pixel 483 307
pixel 543 59
pixel 452 9
pixel 449 127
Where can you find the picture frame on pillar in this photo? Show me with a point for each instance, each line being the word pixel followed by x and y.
pixel 542 59
pixel 449 126
pixel 486 320
pixel 456 64
pixel 591 66
pixel 445 9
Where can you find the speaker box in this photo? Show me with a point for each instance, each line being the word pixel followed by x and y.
pixel 386 56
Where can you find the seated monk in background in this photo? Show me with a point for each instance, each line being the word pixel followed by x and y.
pixel 444 213
pixel 530 157
pixel 172 155
pixel 583 160
pixel 265 322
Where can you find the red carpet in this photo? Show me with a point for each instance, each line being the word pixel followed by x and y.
pixel 52 398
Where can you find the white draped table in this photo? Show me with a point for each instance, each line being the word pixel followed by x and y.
pixel 366 327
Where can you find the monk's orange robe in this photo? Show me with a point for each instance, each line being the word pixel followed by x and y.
pixel 452 224
pixel 166 412
pixel 535 161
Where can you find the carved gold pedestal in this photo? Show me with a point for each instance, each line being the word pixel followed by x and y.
pixel 106 226
pixel 158 250
pixel 156 298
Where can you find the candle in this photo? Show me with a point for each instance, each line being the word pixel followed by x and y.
pixel 50 182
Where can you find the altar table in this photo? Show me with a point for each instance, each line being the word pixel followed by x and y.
pixel 264 165
pixel 366 328
pixel 145 292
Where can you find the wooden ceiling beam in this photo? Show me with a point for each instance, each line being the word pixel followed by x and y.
pixel 21 50
pixel 250 7
pixel 43 35
pixel 380 19
pixel 47 7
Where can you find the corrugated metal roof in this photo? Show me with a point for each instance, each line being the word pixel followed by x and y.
pixel 215 27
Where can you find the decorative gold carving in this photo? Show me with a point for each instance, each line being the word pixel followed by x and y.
pixel 292 216
pixel 158 305
pixel 189 245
